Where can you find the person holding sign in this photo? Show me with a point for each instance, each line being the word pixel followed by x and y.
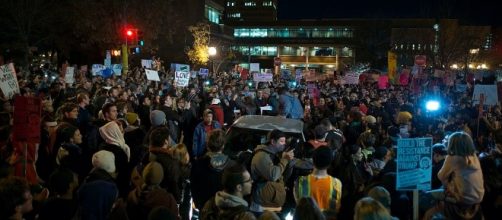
pixel 463 179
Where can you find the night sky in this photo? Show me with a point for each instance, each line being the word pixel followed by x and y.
pixel 476 12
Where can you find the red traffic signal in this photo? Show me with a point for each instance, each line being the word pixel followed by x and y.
pixel 129 33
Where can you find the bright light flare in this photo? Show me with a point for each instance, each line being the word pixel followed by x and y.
pixel 432 105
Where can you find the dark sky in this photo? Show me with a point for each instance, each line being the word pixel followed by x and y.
pixel 482 12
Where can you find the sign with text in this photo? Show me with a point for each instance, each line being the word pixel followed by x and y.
pixel 152 75
pixel 180 67
pixel 490 93
pixel 285 74
pixel 263 77
pixel 203 72
pixel 8 80
pixel 146 64
pixel 383 82
pixel 351 78
pixel 27 119
pixel 182 78
pixel 414 164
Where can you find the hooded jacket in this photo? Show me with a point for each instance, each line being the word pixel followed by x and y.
pixel 206 175
pixel 226 206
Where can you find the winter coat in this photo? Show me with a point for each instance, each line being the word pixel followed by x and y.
pixel 206 175
pixel 199 138
pixel 225 206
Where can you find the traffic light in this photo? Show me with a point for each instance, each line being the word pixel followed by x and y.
pixel 131 35
pixel 141 42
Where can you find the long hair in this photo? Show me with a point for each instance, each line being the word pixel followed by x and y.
pixel 461 144
pixel 368 208
pixel 307 209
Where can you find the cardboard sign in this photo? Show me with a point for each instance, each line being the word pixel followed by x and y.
pixel 490 93
pixel 8 80
pixel 414 164
pixel 263 77
pixel 182 78
pixel 152 75
pixel 27 119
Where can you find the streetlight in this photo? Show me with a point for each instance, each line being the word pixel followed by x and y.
pixel 212 53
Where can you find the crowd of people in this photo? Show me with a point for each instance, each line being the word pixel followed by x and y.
pixel 124 147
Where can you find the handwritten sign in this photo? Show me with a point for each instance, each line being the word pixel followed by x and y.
pixel 27 119
pixel 414 164
pixel 182 78
pixel 262 77
pixel 8 80
pixel 152 75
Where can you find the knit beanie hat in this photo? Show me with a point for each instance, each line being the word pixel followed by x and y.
pixel 153 174
pixel 104 160
pixel 157 117
pixel 131 118
pixel 322 157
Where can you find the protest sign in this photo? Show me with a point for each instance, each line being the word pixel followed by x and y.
pixel 285 74
pixel 181 78
pixel 351 78
pixel 203 72
pixel 262 77
pixel 117 69
pixel 97 69
pixel 146 64
pixel 180 67
pixel 27 119
pixel 298 74
pixel 152 75
pixel 8 80
pixel 490 93
pixel 69 76
pixel 254 67
pixel 414 164
pixel 383 82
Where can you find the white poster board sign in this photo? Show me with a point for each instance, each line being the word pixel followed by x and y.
pixel 182 78
pixel 152 75
pixel 263 77
pixel 146 64
pixel 69 76
pixel 490 92
pixel 8 80
pixel 254 67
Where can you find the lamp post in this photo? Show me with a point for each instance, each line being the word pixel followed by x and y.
pixel 212 52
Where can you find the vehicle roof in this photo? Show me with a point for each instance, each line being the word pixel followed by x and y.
pixel 268 123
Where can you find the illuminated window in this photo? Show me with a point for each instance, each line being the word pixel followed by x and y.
pixel 267 3
pixel 212 14
pixel 250 4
